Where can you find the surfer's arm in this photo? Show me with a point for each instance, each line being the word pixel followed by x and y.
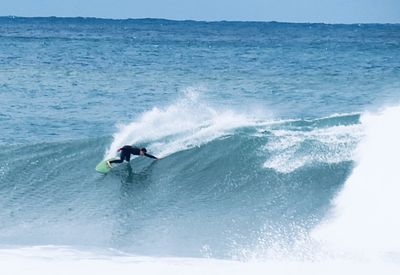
pixel 150 156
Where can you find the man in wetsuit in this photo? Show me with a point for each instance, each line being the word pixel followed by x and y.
pixel 126 152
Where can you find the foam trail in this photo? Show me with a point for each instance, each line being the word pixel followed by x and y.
pixel 365 217
pixel 328 145
pixel 186 124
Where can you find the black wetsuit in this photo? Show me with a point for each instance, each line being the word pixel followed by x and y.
pixel 126 152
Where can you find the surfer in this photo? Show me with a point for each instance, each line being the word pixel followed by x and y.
pixel 126 152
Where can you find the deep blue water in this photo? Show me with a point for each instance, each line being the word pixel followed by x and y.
pixel 257 124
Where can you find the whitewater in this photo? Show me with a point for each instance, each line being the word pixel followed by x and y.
pixel 278 146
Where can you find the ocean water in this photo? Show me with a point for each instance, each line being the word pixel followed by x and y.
pixel 279 147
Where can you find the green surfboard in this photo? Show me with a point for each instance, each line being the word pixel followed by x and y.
pixel 102 167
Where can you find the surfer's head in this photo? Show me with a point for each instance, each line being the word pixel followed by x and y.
pixel 143 151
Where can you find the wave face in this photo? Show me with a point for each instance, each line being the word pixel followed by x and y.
pixel 228 183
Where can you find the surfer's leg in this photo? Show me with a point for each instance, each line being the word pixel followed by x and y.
pixel 123 156
pixel 116 161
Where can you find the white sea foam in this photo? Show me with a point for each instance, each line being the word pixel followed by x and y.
pixel 331 145
pixel 365 215
pixel 64 260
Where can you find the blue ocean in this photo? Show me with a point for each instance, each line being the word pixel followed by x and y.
pixel 278 145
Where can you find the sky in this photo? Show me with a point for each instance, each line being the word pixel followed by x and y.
pixel 324 11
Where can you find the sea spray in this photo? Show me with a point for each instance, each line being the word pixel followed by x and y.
pixel 187 123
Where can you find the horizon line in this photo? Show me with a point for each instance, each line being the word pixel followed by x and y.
pixel 185 20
